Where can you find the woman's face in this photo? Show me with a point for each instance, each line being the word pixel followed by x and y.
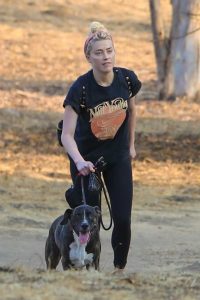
pixel 102 56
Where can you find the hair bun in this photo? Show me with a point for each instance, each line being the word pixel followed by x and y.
pixel 96 26
pixel 97 32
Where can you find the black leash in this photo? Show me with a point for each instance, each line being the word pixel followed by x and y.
pixel 107 202
pixel 83 192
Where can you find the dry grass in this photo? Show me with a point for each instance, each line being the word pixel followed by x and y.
pixel 42 286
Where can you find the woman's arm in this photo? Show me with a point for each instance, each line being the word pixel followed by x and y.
pixel 132 125
pixel 69 144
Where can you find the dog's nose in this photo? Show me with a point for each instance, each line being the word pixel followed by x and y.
pixel 84 226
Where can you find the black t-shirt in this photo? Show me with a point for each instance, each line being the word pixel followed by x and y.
pixel 102 125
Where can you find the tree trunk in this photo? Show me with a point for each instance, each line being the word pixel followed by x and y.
pixel 160 44
pixel 183 76
pixel 182 55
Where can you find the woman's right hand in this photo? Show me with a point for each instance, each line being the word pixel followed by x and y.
pixel 85 167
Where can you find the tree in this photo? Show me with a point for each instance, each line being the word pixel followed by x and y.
pixel 178 54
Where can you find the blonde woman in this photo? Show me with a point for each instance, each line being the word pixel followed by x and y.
pixel 99 120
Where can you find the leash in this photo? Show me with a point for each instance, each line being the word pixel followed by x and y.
pixel 107 202
pixel 100 199
pixel 82 190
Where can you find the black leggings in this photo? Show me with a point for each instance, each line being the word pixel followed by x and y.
pixel 119 184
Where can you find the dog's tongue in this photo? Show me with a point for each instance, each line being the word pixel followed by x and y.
pixel 84 237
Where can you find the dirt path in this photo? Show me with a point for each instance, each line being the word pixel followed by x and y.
pixel 162 242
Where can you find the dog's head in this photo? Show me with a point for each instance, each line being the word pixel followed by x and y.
pixel 84 219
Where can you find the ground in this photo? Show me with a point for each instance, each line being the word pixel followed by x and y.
pixel 41 54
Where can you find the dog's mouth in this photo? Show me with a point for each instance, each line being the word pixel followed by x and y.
pixel 84 237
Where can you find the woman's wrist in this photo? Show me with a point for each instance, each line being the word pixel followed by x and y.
pixel 78 161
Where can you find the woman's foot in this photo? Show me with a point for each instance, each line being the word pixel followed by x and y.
pixel 118 271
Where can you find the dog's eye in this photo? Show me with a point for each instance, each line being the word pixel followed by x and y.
pixel 89 215
pixel 78 214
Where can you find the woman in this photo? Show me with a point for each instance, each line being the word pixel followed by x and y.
pixel 99 120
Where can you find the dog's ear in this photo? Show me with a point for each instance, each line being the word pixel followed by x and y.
pixel 97 210
pixel 66 216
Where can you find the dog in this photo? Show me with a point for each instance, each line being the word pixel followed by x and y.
pixel 74 238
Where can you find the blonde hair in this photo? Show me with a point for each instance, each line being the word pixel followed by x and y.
pixel 97 32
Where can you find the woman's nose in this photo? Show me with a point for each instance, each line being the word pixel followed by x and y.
pixel 105 55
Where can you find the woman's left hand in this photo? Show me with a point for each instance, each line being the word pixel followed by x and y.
pixel 132 151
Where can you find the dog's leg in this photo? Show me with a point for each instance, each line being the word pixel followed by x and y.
pixel 52 253
pixel 96 250
pixel 97 256
pixel 65 263
pixel 65 260
pixel 96 263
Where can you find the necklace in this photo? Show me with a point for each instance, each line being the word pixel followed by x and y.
pixel 105 83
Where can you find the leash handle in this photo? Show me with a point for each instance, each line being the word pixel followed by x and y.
pixel 82 189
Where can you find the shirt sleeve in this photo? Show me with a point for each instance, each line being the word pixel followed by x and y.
pixel 135 83
pixel 73 97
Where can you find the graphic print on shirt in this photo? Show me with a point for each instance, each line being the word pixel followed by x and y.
pixel 107 117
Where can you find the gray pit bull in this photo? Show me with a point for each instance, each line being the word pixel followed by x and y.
pixel 74 238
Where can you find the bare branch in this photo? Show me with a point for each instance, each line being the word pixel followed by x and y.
pixel 185 35
pixel 188 13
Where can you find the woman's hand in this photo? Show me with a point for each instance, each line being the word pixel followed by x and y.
pixel 132 151
pixel 85 167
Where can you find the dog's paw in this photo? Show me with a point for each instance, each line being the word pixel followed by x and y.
pixel 89 259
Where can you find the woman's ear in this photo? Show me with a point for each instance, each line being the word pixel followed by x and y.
pixel 88 59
